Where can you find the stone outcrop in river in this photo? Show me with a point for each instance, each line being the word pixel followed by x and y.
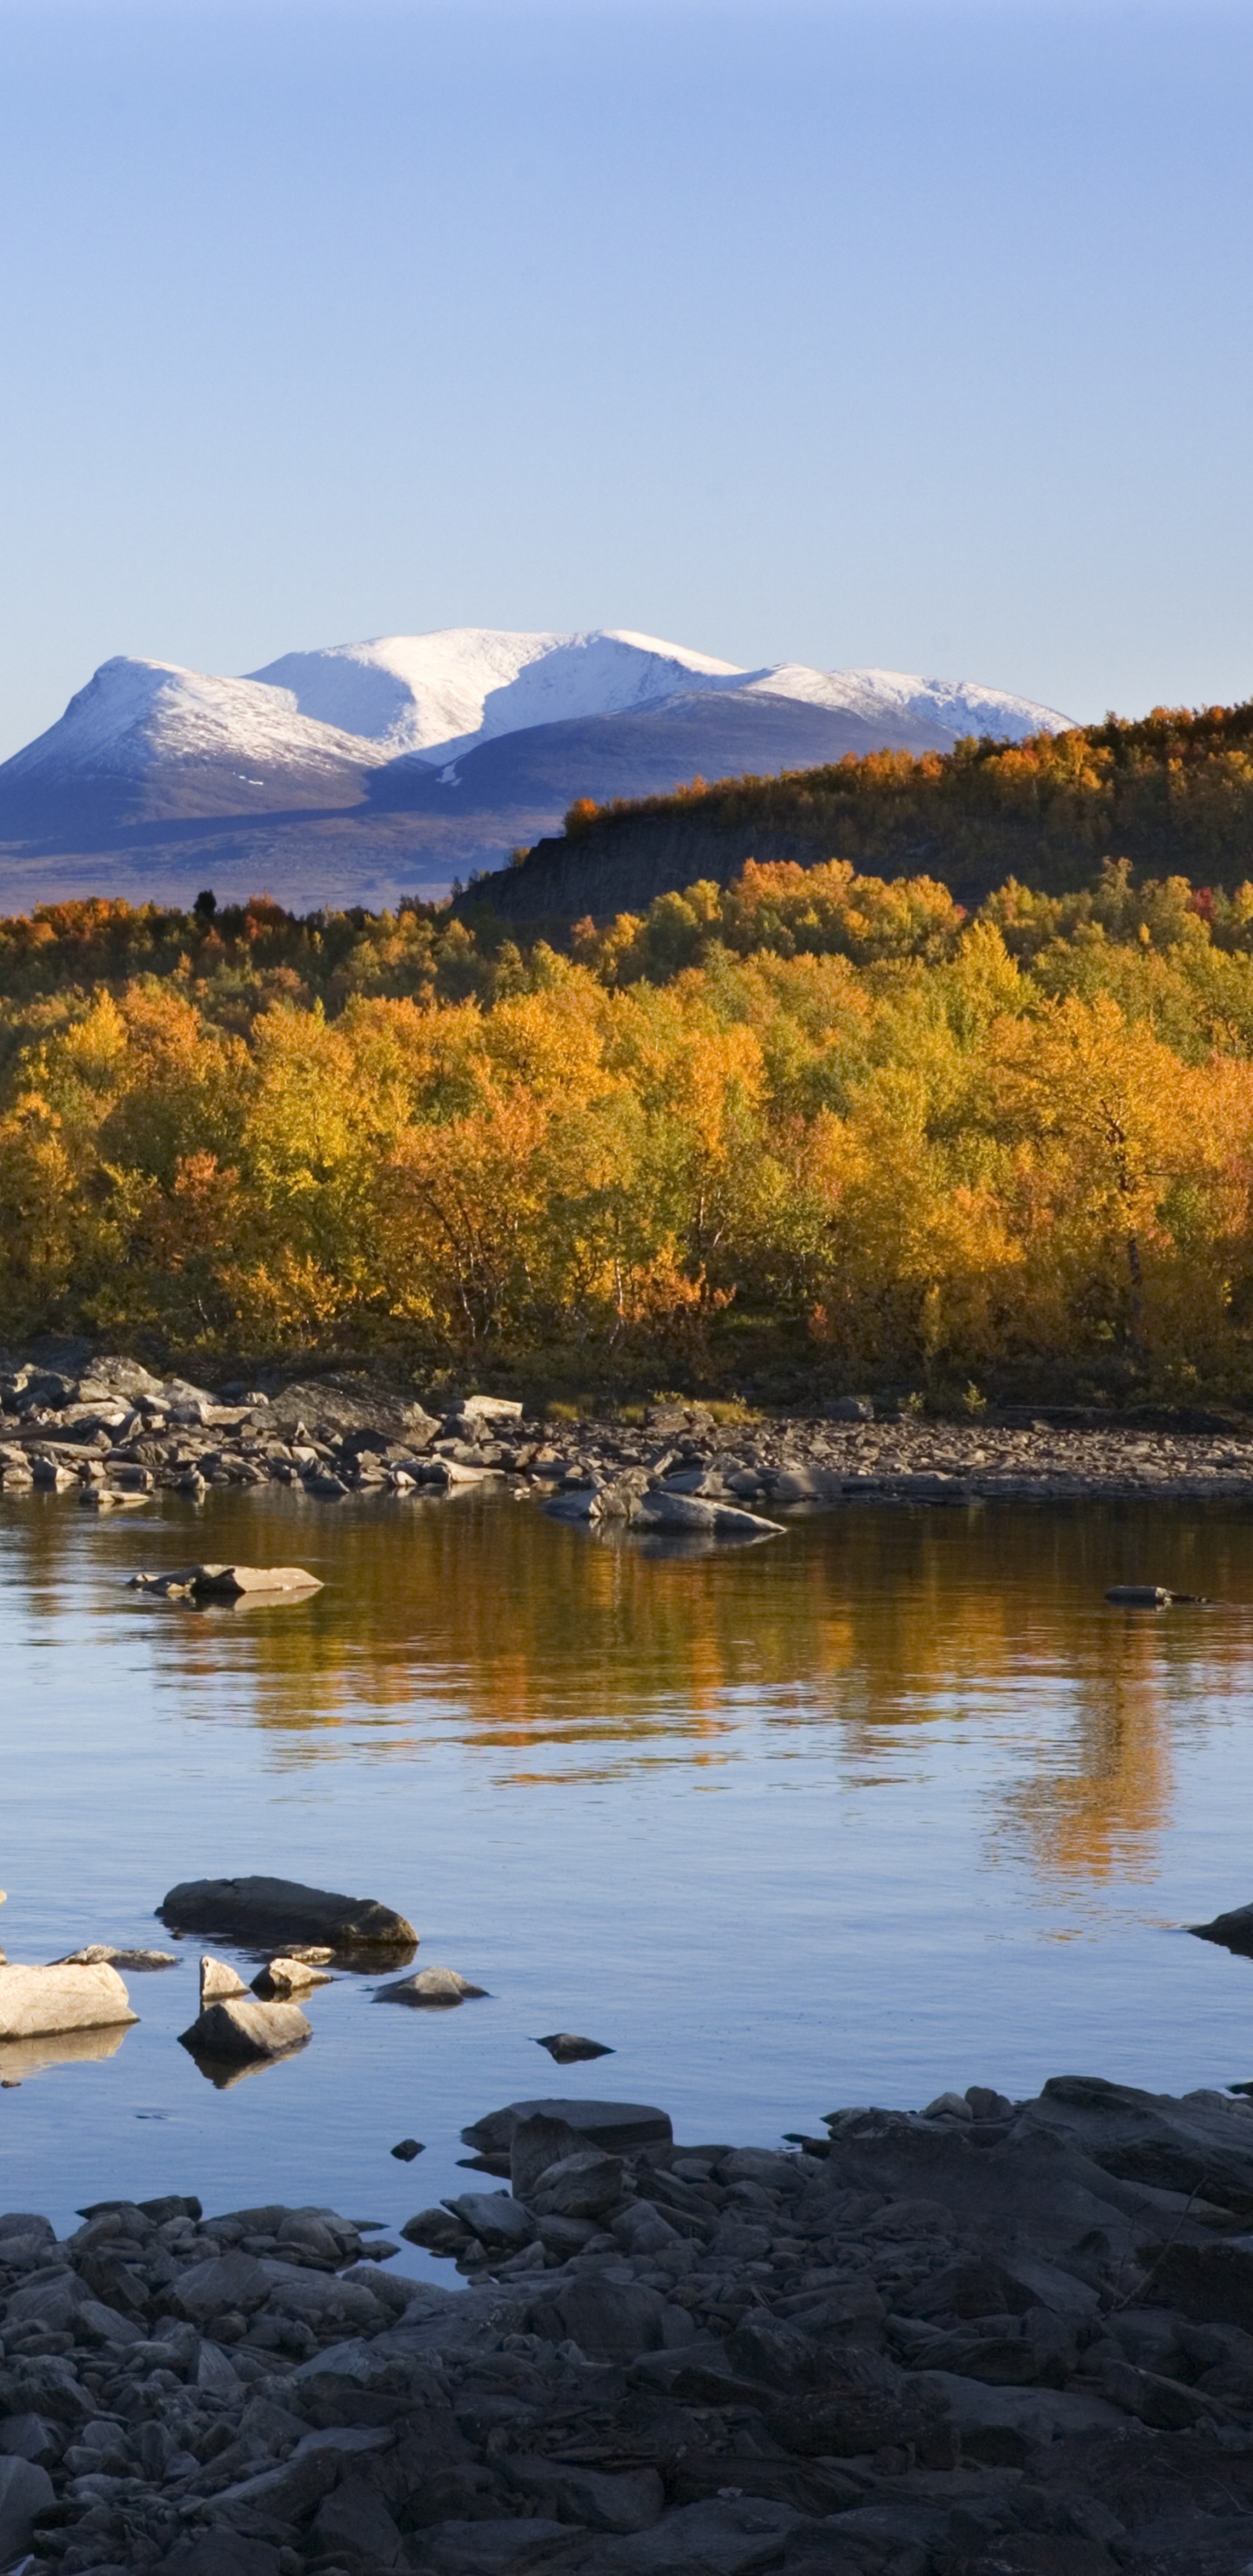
pixel 996 2340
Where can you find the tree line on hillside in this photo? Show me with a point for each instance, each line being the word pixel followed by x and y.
pixel 1172 792
pixel 816 1122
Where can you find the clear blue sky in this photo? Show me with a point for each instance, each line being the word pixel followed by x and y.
pixel 904 334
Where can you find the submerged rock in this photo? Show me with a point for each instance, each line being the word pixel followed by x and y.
pixel 432 1987
pixel 225 1582
pixel 1233 1931
pixel 281 1910
pixel 566 2048
pixel 102 1954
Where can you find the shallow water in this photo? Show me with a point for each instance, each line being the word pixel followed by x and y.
pixel 891 1803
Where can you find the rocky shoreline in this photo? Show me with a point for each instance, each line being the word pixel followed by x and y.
pixel 988 2339
pixel 115 1433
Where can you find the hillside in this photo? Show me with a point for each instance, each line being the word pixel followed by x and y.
pixel 1172 792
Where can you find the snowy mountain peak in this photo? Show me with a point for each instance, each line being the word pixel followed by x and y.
pixel 438 695
pixel 135 716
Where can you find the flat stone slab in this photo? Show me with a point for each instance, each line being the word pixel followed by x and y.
pixel 37 2002
pixel 225 1582
pixel 620 2127
pixel 278 1911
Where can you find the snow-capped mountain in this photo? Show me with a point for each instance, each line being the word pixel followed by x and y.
pixel 441 695
pixel 152 738
pixel 355 772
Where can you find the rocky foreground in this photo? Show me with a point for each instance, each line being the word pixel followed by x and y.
pixel 118 1434
pixel 988 2340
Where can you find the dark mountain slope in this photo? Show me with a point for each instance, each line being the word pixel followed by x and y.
pixel 1173 793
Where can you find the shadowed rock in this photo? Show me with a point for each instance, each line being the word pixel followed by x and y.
pixel 279 1911
pixel 566 2048
pixel 1233 1931
pixel 620 2127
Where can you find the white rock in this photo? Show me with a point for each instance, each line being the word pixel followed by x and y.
pixel 38 2001
pixel 216 1980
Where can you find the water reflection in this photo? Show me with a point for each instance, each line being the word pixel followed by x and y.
pixel 559 1660
pixel 20 2058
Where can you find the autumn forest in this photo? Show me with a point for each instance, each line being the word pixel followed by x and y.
pixel 815 1123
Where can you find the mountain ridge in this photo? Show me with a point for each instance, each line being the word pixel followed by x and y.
pixel 401 750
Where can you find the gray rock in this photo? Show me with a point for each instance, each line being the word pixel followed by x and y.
pixel 663 1511
pixel 236 2027
pixel 432 1988
pixel 280 1911
pixel 494 2547
pixel 353 2523
pixel 102 1954
pixel 600 2500
pixel 25 2490
pixel 1233 1931
pixel 586 2185
pixel 535 2145
pixel 266 2505
pixel 323 2298
pixel 495 2218
pixel 735 2537
pixel 221 2553
pixel 1002 2425
pixel 30 2437
pixel 219 2284
pixel 620 2127
pixel 609 2320
pixel 566 2048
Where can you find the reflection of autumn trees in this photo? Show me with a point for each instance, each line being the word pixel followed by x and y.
pixel 857 1641
pixel 1098 1817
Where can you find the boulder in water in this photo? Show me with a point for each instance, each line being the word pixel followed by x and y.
pixel 237 2027
pixel 279 1911
pixel 35 2002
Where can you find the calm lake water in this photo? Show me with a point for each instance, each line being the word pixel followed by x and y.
pixel 892 1803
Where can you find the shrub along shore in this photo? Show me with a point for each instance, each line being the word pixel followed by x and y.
pixel 989 2339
